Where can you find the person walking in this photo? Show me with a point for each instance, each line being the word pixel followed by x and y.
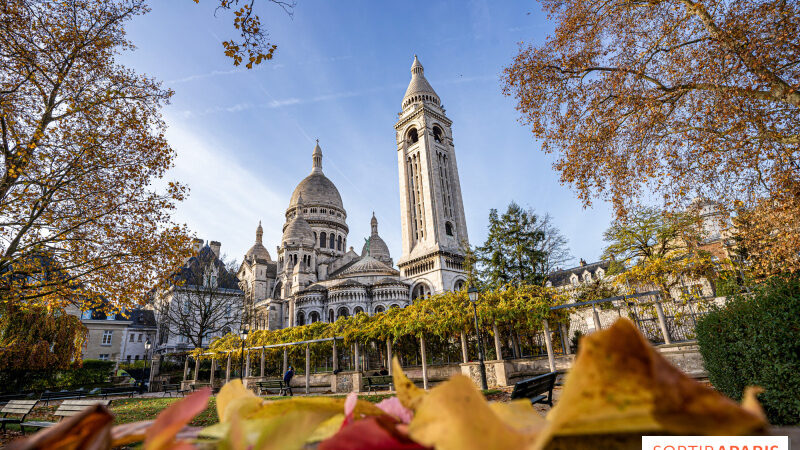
pixel 287 379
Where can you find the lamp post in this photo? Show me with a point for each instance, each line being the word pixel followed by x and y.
pixel 243 334
pixel 147 345
pixel 473 298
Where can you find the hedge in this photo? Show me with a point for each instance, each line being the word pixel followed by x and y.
pixel 755 340
pixel 92 373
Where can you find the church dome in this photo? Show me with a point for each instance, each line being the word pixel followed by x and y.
pixel 297 231
pixel 368 265
pixel 418 88
pixel 258 251
pixel 317 189
pixel 377 246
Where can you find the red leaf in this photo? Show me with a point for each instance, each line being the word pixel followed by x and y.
pixel 170 421
pixel 370 433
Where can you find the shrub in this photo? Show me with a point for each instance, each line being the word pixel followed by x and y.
pixel 91 373
pixel 755 340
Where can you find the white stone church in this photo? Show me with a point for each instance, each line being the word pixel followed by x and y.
pixel 316 276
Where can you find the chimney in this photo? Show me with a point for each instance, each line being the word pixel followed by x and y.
pixel 583 263
pixel 197 244
pixel 215 245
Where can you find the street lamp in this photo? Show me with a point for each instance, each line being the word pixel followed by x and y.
pixel 473 298
pixel 243 334
pixel 147 345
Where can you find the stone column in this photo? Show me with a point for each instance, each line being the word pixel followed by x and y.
pixel 464 355
pixel 308 367
pixel 389 355
pixel 357 357
pixel 498 349
pixel 335 357
pixel 548 341
pixel 211 377
pixel 424 362
pixel 662 322
pixel 246 373
pixel 596 317
pixel 228 369
pixel 196 368
pixel 565 339
pixel 262 363
pixel 285 360
pixel 185 367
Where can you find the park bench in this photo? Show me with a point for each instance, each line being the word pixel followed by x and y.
pixel 67 408
pixel 48 396
pixel 378 383
pixel 170 388
pixel 16 408
pixel 535 388
pixel 5 398
pixel 118 391
pixel 276 385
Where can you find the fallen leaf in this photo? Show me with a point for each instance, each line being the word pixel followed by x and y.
pixel 619 384
pixel 407 392
pixel 162 433
pixel 89 429
pixel 393 407
pixel 456 415
pixel 750 401
pixel 376 432
pixel 519 415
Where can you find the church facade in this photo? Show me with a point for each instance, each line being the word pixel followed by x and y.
pixel 316 276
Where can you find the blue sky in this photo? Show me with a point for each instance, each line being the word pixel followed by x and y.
pixel 244 137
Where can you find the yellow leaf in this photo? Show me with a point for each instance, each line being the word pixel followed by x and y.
pixel 326 429
pixel 519 415
pixel 750 401
pixel 621 385
pixel 407 392
pixel 455 415
pixel 235 398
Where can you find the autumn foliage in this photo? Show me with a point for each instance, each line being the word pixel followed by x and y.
pixel 677 98
pixel 84 212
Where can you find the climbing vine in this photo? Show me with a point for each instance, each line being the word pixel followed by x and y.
pixel 519 308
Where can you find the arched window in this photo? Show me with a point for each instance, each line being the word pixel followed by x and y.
pixel 278 288
pixel 394 306
pixel 332 242
pixel 448 228
pixel 330 316
pixel 339 244
pixel 342 312
pixel 459 285
pixel 412 136
pixel 437 134
pixel 358 310
pixel 379 309
pixel 322 239
pixel 313 316
pixel 315 236
pixel 301 318
pixel 420 291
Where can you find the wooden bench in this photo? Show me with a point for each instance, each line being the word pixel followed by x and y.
pixel 170 388
pixel 276 385
pixel 48 396
pixel 118 391
pixel 67 408
pixel 17 408
pixel 378 383
pixel 5 398
pixel 535 388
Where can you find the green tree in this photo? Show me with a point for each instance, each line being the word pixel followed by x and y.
pixel 656 248
pixel 512 253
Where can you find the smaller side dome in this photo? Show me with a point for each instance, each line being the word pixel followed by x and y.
pixel 375 246
pixel 298 231
pixel 258 251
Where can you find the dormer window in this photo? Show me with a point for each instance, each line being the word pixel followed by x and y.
pixel 574 280
pixel 587 277
pixel 600 273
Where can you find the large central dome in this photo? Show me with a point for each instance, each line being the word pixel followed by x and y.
pixel 317 189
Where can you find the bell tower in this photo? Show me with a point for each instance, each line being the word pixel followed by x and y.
pixel 434 229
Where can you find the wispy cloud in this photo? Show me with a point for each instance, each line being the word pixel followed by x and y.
pixel 242 71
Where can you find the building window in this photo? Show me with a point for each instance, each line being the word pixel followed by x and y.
pixel 332 241
pixel 140 337
pixel 103 357
pixel 437 134
pixel 107 335
pixel 448 228
pixel 128 358
pixel 132 337
pixel 412 136
pixel 339 244
pixel 136 358
pixel 322 239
